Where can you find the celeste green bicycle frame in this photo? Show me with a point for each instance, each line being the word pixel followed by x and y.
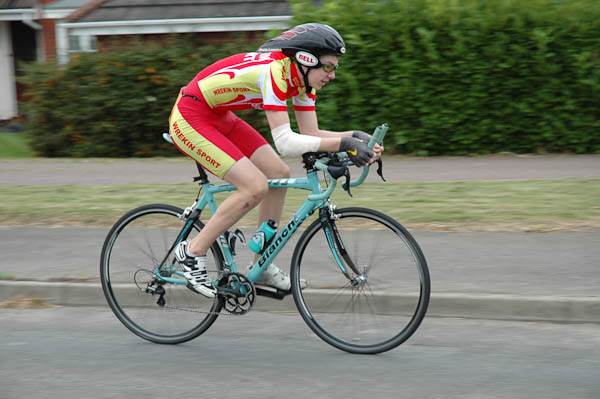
pixel 318 199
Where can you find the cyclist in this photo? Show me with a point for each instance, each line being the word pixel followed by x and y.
pixel 293 65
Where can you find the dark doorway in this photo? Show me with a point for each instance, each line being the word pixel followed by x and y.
pixel 24 49
pixel 24 42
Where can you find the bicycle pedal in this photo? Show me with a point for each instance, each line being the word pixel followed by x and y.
pixel 277 294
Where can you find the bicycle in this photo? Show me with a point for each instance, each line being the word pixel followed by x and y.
pixel 368 281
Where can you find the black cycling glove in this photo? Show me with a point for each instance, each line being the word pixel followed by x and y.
pixel 357 134
pixel 357 150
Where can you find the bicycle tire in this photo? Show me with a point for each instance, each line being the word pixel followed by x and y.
pixel 133 248
pixel 385 309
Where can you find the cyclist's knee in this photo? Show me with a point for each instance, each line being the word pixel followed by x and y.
pixel 254 194
pixel 261 189
pixel 281 171
pixel 255 191
pixel 277 169
pixel 270 163
pixel 249 180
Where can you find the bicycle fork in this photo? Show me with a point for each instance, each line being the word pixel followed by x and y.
pixel 327 217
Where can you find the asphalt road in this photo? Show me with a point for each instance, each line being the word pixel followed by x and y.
pixel 73 353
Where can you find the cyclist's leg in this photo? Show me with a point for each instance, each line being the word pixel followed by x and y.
pixel 202 134
pixel 269 163
pixel 252 187
pixel 273 167
pixel 248 140
pixel 271 207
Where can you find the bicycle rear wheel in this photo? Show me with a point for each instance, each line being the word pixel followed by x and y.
pixel 135 246
pixel 374 308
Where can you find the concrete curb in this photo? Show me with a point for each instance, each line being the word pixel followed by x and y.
pixel 477 306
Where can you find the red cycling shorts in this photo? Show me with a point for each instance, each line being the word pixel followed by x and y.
pixel 216 140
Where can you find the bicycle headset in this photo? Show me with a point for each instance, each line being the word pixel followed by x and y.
pixel 305 44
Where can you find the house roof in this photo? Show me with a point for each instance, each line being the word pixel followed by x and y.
pixel 143 10
pixel 19 10
pixel 30 10
pixel 135 17
pixel 69 4
pixel 12 4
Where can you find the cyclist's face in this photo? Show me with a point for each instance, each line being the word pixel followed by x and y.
pixel 318 77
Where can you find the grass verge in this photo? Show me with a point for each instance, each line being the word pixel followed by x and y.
pixel 14 145
pixel 524 205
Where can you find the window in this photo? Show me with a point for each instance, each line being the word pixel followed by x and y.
pixel 74 44
pixel 80 44
pixel 93 43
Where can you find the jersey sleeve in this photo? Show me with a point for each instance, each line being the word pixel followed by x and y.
pixel 305 101
pixel 274 88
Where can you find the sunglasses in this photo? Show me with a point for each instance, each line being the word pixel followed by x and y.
pixel 329 67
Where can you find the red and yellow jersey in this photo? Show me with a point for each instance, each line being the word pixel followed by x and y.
pixel 252 80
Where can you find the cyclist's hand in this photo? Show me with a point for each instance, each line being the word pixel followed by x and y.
pixel 357 150
pixel 377 149
pixel 357 134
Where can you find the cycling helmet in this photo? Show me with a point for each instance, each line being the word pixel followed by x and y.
pixel 306 43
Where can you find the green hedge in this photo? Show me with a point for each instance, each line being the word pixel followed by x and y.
pixel 467 76
pixel 115 103
pixel 449 76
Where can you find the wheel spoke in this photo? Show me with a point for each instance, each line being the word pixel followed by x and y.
pixel 139 241
pixel 379 312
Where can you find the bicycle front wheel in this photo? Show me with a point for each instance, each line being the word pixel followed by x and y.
pixel 136 246
pixel 371 292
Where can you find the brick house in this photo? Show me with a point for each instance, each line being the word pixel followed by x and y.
pixel 27 34
pixel 40 30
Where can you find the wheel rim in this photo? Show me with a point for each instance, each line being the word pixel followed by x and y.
pixel 378 313
pixel 132 251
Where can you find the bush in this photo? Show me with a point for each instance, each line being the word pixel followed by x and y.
pixel 468 76
pixel 115 103
pixel 449 76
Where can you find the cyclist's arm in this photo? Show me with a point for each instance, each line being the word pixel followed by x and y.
pixel 308 124
pixel 277 119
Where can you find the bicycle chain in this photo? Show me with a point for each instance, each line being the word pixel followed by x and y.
pixel 222 298
pixel 203 312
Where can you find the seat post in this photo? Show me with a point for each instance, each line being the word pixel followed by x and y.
pixel 203 177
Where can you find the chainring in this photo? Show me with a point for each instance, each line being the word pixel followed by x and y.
pixel 236 293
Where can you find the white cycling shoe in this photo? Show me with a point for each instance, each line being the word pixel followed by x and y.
pixel 275 277
pixel 194 270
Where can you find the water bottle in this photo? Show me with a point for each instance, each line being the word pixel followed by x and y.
pixel 263 236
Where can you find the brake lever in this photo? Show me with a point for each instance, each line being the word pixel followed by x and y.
pixel 346 185
pixel 380 169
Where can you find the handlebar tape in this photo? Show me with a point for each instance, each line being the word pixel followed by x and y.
pixel 378 135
